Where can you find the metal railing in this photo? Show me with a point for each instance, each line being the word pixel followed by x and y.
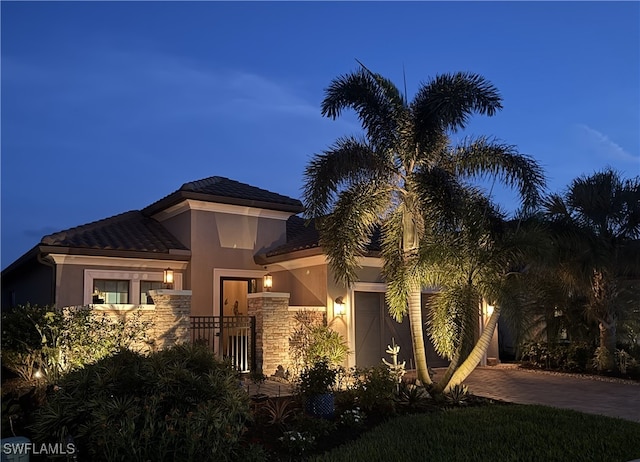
pixel 232 338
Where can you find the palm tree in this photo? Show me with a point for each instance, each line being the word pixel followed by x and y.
pixel 480 256
pixel 596 224
pixel 403 177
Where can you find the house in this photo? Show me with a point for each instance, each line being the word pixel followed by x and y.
pixel 220 237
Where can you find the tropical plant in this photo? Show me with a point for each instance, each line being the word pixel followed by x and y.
pixel 314 340
pixel 279 412
pixel 396 369
pixel 49 342
pixel 176 404
pixel 458 395
pixel 318 379
pixel 374 391
pixel 595 225
pixel 404 177
pixel 478 257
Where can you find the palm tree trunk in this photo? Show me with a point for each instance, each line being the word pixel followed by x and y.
pixel 417 337
pixel 479 350
pixel 607 343
pixel 444 380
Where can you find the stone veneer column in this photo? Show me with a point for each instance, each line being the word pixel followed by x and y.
pixel 271 310
pixel 171 317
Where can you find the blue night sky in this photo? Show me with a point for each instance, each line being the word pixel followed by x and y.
pixel 107 107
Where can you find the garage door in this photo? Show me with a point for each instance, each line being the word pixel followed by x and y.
pixel 374 329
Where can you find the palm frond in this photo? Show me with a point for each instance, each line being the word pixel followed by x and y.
pixel 451 317
pixel 375 105
pixel 346 232
pixel 481 157
pixel 446 102
pixel 439 193
pixel 348 161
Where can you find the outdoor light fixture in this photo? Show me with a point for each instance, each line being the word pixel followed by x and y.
pixel 167 278
pixel 267 282
pixel 339 308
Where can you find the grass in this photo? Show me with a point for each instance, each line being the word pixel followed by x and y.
pixel 496 433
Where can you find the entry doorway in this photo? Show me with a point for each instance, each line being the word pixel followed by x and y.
pixel 233 295
pixel 235 331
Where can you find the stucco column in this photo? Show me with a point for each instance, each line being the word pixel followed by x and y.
pixel 271 310
pixel 171 317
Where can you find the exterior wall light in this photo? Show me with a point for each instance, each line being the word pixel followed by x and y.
pixel 339 308
pixel 167 278
pixel 489 310
pixel 267 282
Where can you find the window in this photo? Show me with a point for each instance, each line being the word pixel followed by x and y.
pixel 145 287
pixel 132 287
pixel 110 291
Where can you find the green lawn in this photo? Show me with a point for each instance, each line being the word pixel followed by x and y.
pixel 496 433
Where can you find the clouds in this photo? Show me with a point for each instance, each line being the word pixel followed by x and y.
pixel 159 86
pixel 604 146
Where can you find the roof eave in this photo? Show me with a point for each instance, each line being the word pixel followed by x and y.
pixel 262 259
pixel 172 255
pixel 27 256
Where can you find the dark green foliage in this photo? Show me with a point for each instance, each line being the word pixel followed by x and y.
pixel 52 342
pixel 574 357
pixel 312 341
pixel 176 404
pixel 413 397
pixel 374 391
pixel 595 227
pixel 317 379
pixel 490 433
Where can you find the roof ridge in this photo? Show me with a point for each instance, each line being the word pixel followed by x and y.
pixel 195 184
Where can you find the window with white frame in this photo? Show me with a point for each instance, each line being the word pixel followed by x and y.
pixel 145 287
pixel 111 291
pixel 116 287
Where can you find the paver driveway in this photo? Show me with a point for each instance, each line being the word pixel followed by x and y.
pixel 614 399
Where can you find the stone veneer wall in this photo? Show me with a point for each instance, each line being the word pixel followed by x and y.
pixel 172 322
pixel 274 325
pixel 169 318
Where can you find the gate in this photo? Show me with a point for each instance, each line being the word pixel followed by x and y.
pixel 232 338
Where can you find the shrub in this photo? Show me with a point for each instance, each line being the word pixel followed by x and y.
pixel 176 404
pixel 573 357
pixel 374 390
pixel 313 340
pixel 318 379
pixel 53 342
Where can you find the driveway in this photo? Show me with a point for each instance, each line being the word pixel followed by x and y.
pixel 597 395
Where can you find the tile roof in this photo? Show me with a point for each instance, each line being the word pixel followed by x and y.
pixel 224 190
pixel 301 235
pixel 129 231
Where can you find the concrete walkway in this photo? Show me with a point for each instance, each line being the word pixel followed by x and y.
pixel 581 393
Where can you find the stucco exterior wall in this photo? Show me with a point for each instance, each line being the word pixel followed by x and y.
pixel 229 241
pixel 70 280
pixel 307 286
